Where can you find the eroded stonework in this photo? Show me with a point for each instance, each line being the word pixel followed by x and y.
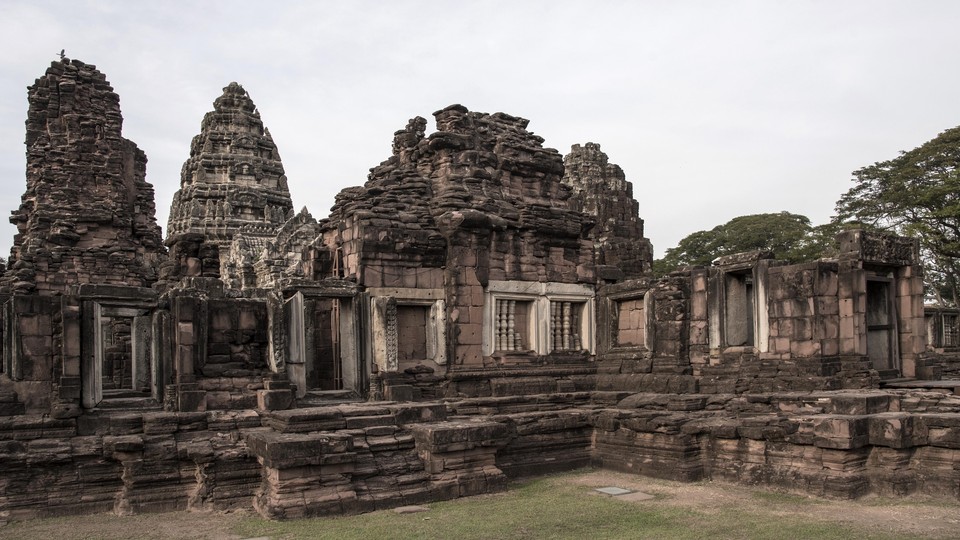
pixel 491 299
pixel 233 186
pixel 87 215
pixel 601 190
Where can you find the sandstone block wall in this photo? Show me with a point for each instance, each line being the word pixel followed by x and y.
pixel 355 458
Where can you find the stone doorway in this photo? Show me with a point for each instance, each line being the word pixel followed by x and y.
pixel 324 368
pixel 118 369
pixel 321 347
pixel 740 312
pixel 882 328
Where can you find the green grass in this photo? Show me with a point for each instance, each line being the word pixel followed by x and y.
pixel 550 508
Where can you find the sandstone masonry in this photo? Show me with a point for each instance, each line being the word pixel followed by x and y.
pixel 481 308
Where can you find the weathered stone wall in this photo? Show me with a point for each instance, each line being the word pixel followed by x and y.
pixel 87 215
pixel 236 339
pixel 660 363
pixel 34 341
pixel 372 457
pixel 753 324
pixel 216 353
pixel 126 462
pixel 801 350
pixel 383 234
pixel 478 200
pixel 829 444
pixel 804 308
pixel 357 458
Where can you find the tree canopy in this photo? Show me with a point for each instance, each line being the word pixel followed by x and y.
pixel 789 236
pixel 917 194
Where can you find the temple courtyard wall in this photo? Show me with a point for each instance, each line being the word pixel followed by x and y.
pixel 354 458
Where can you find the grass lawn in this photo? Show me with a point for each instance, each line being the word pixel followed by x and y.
pixel 553 507
pixel 557 506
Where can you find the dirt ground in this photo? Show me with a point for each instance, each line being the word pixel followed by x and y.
pixel 918 516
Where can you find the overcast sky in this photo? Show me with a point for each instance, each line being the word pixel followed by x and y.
pixel 714 109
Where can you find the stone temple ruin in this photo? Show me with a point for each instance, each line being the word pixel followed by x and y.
pixel 481 308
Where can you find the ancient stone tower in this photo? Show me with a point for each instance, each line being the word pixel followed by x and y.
pixel 87 215
pixel 601 190
pixel 232 187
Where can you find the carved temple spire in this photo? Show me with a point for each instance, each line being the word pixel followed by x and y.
pixel 233 178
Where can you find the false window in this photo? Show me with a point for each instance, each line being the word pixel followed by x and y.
pixel 565 327
pixel 631 323
pixel 512 325
pixel 739 310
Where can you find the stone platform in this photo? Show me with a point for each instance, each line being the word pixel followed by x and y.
pixel 361 457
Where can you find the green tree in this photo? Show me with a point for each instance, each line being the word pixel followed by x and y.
pixel 917 194
pixel 789 236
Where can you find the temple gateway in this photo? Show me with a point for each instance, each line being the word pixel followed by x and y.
pixel 481 308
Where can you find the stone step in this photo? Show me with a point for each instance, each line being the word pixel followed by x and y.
pixel 128 404
pixel 888 374
pixel 942 385
pixel 124 393
pixel 316 398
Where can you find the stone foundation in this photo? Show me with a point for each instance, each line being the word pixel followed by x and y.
pixel 362 457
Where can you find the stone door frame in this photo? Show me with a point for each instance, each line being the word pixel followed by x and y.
pixel 298 330
pixel 891 329
pixel 97 302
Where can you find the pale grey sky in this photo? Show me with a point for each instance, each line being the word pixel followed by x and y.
pixel 714 109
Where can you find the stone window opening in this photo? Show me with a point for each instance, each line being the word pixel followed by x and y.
pixel 536 318
pixel 950 334
pixel 512 325
pixel 881 319
pixel 942 331
pixel 565 325
pixel 737 309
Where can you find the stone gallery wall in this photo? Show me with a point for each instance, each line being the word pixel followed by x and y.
pixel 356 458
